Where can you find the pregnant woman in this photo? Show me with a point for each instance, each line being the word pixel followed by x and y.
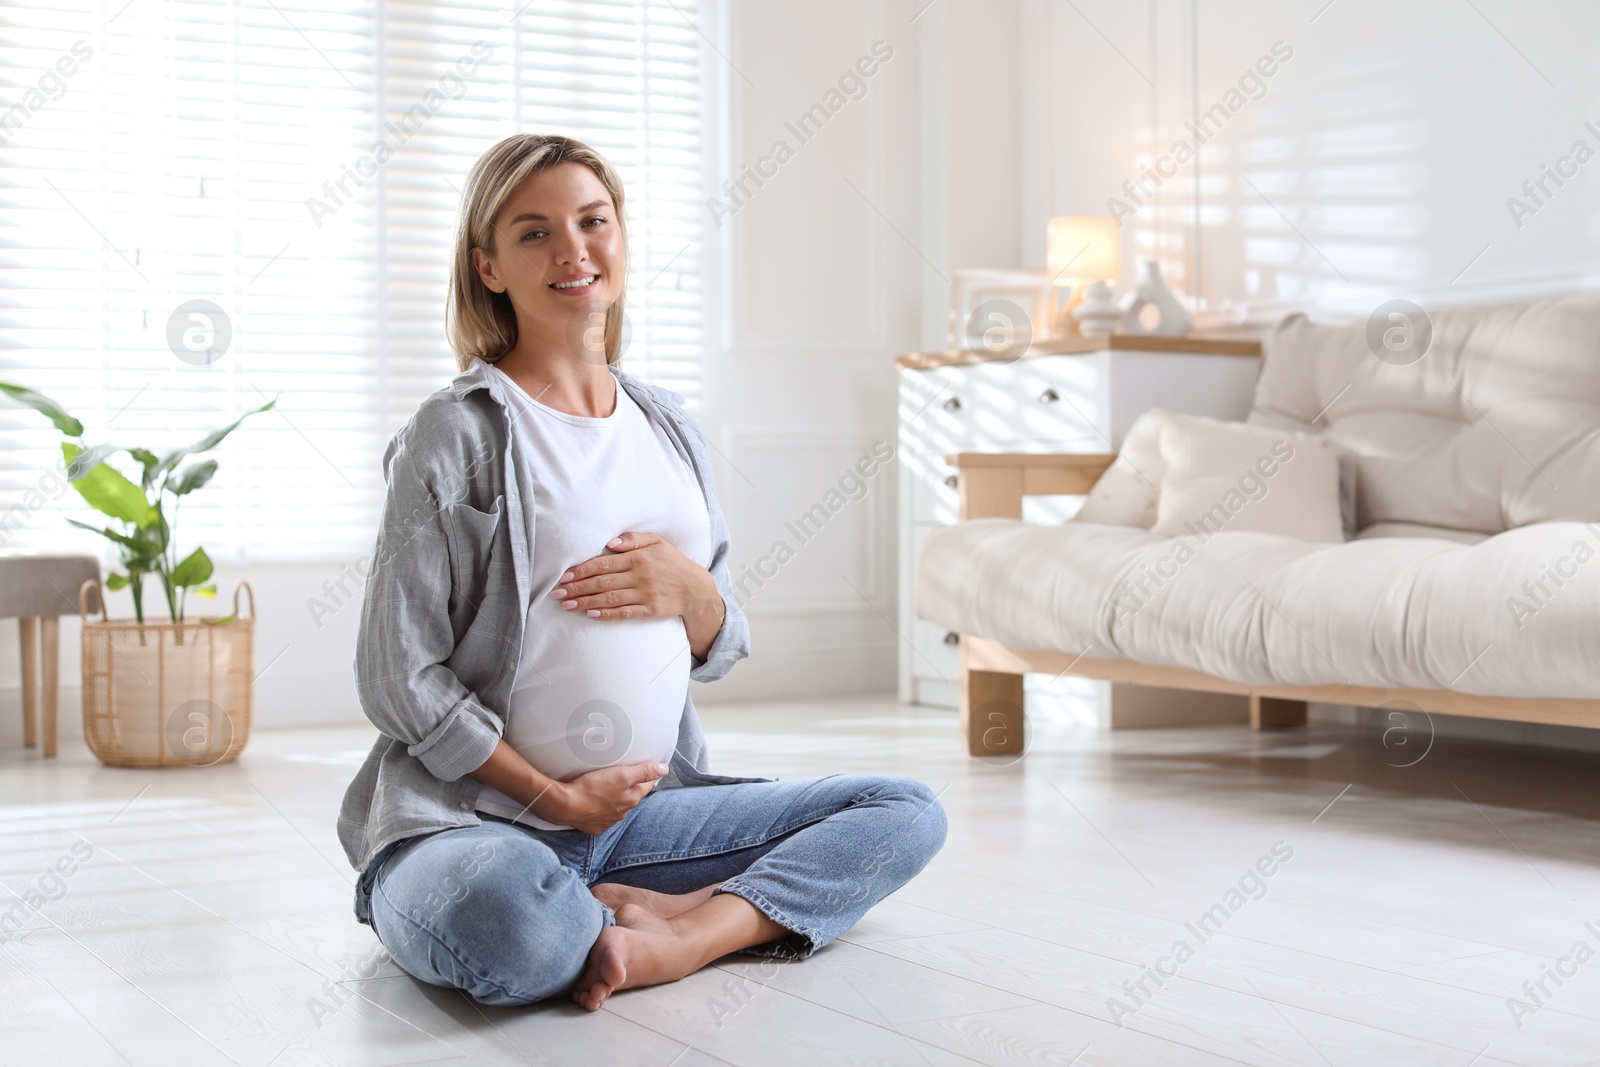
pixel 537 816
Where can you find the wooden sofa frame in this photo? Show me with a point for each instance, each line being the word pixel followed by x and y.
pixel 992 485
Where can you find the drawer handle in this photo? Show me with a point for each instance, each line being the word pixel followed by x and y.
pixel 953 404
pixel 950 481
pixel 952 638
pixel 1049 396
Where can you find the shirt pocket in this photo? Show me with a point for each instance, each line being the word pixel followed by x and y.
pixel 471 534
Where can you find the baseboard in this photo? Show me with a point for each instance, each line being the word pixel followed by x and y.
pixel 931 693
pixel 330 699
pixel 1061 699
pixel 289 700
pixel 807 671
pixel 69 715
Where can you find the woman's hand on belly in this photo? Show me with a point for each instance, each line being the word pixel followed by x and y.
pixel 596 800
pixel 590 802
pixel 646 578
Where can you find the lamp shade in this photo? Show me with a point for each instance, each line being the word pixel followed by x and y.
pixel 1084 248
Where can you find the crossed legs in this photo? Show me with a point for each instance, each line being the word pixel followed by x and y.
pixel 692 874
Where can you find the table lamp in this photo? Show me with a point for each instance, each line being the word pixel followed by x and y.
pixel 1080 251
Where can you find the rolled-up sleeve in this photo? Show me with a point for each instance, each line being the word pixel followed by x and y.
pixel 461 743
pixel 405 635
pixel 732 644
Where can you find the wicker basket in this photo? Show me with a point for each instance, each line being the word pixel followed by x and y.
pixel 164 694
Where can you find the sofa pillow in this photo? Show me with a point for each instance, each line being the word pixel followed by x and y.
pixel 1233 476
pixel 1349 463
pixel 1126 493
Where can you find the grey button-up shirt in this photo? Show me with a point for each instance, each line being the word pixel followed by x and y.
pixel 446 602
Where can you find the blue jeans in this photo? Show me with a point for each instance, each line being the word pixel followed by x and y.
pixel 504 912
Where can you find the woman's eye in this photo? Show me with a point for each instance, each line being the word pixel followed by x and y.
pixel 533 233
pixel 594 218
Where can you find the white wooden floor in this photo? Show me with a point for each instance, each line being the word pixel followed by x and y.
pixel 204 916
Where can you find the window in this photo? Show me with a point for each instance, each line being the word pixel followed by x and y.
pixel 158 154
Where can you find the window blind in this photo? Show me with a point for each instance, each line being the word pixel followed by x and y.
pixel 156 155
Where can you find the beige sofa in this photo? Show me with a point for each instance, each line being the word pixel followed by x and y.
pixel 1472 586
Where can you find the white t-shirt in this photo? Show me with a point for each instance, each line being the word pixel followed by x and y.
pixel 592 693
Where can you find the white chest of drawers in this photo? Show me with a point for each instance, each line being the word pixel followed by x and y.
pixel 1077 395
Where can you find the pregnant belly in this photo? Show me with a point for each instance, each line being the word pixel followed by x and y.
pixel 592 693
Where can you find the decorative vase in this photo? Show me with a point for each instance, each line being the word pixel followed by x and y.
pixel 1173 319
pixel 1099 313
pixel 167 694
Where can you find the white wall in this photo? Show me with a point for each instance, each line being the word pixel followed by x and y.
pixel 970 111
pixel 837 264
pixel 815 290
pixel 1376 164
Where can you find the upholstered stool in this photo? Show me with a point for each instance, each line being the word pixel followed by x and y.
pixel 36 588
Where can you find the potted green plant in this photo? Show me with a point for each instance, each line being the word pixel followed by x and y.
pixel 155 694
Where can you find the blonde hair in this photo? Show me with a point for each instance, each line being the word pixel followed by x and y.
pixel 479 322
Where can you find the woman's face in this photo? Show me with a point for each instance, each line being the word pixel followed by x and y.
pixel 559 255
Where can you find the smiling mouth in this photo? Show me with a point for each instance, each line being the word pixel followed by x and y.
pixel 576 284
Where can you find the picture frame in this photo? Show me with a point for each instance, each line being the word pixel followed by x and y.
pixel 1015 304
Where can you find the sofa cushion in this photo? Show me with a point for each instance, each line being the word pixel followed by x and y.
pixel 1509 616
pixel 1126 494
pixel 1496 426
pixel 1229 475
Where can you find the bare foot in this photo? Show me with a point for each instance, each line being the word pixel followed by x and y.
pixel 642 949
pixel 661 905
